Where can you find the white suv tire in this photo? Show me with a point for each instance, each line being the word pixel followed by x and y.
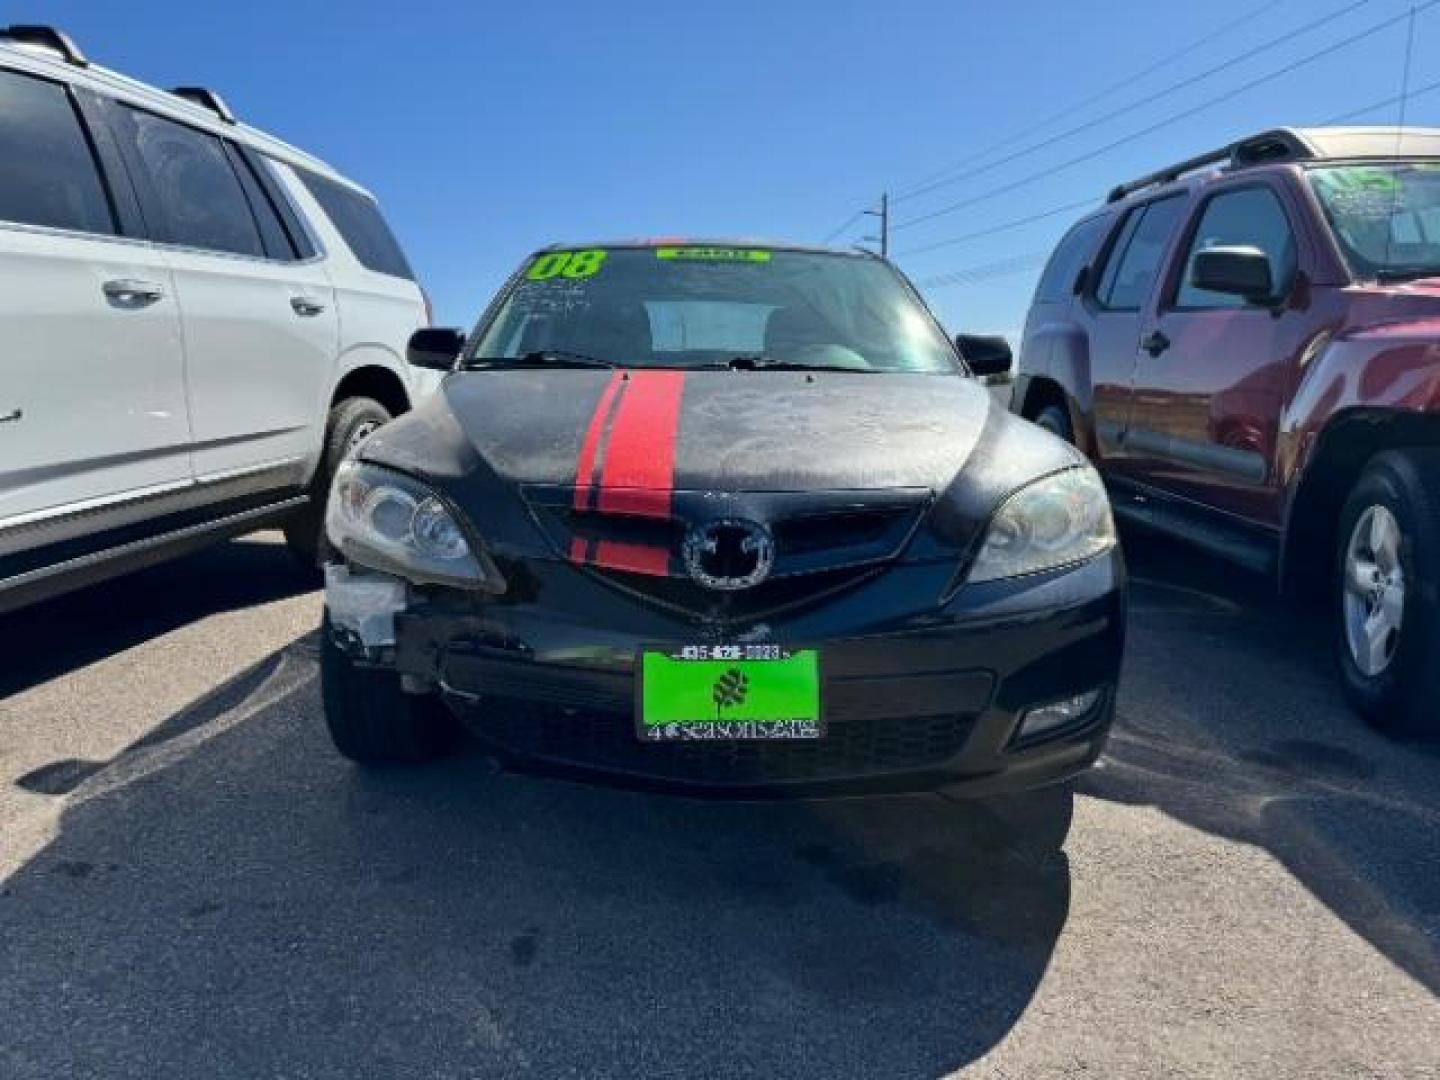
pixel 350 423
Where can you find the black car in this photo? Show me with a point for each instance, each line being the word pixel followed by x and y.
pixel 722 518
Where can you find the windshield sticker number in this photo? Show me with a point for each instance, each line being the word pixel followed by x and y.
pixel 574 265
pixel 713 254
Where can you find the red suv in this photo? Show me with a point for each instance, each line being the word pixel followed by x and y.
pixel 1251 356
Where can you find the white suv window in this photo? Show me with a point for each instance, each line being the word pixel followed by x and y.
pixel 48 174
pixel 359 222
pixel 197 193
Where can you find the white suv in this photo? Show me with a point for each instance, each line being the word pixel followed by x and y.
pixel 198 321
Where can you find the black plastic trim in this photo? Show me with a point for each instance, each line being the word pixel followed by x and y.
pixel 144 551
pixel 124 202
pixel 1252 547
pixel 290 216
pixel 48 37
pixel 181 509
pixel 207 99
pixel 1230 461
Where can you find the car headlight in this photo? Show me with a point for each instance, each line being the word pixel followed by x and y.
pixel 387 521
pixel 1055 521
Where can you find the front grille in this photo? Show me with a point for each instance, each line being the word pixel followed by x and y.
pixel 770 597
pixel 851 749
pixel 824 541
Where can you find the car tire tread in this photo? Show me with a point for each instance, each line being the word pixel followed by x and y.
pixel 372 720
pixel 1402 698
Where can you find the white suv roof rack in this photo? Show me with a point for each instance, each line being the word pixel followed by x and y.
pixel 47 37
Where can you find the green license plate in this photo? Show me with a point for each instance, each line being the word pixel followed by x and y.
pixel 729 692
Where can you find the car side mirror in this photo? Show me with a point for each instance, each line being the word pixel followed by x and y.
pixel 436 348
pixel 986 355
pixel 1237 271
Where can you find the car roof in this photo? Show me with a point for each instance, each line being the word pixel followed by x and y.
pixel 644 243
pixel 48 63
pixel 1282 147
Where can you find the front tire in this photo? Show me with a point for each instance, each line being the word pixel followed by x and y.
pixel 1387 625
pixel 372 720
pixel 351 422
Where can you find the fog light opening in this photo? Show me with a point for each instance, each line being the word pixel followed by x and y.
pixel 1057 716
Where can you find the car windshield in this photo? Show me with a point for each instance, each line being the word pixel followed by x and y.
pixel 1387 217
pixel 695 307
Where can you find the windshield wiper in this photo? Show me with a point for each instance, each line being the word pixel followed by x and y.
pixel 559 358
pixel 770 363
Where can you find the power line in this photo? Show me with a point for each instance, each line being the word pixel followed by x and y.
pixel 1194 46
pixel 833 233
pixel 984 272
pixel 1385 103
pixel 1139 103
pixel 1184 114
pixel 1400 126
pixel 1405 78
pixel 1028 219
pixel 1100 95
pixel 1002 227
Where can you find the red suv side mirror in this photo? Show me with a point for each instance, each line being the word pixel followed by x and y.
pixel 1239 271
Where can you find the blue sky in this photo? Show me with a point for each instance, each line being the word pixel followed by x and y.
pixel 488 129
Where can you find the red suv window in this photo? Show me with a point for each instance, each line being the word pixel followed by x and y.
pixel 1247 217
pixel 1135 257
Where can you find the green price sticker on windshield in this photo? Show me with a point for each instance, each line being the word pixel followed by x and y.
pixel 573 265
pixel 713 254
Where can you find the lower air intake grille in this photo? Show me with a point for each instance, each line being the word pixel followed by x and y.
pixel 852 748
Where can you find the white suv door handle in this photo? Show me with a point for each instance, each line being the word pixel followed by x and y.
pixel 129 292
pixel 305 307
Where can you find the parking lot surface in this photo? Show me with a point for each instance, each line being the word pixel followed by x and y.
pixel 196 885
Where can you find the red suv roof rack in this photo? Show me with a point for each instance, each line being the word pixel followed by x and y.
pixel 1282 144
pixel 47 37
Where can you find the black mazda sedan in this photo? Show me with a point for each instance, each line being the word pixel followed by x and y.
pixel 722 518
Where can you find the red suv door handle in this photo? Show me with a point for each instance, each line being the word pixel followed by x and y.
pixel 1156 343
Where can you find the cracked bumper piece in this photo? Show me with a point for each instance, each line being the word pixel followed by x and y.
pixel 932 703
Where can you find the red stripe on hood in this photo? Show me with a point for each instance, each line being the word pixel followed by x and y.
pixel 585 466
pixel 636 558
pixel 639 468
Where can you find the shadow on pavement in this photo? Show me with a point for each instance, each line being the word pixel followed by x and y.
pixel 236 900
pixel 62 635
pixel 1232 721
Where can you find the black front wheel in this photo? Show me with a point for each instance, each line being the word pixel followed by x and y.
pixel 1387 561
pixel 372 719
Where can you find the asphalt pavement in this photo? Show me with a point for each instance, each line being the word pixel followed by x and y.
pixel 192 884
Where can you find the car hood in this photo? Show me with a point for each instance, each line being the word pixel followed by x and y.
pixel 720 430
pixel 556 463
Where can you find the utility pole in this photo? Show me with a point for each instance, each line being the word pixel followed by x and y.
pixel 884 215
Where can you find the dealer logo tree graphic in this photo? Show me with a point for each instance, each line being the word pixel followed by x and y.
pixel 730 690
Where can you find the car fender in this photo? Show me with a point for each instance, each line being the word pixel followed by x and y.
pixel 357 359
pixel 1068 367
pixel 1357 392
pixel 376 354
pixel 1376 375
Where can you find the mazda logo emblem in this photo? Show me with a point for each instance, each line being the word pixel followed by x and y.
pixel 729 555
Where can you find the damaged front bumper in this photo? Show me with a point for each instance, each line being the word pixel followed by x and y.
pixel 1008 685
